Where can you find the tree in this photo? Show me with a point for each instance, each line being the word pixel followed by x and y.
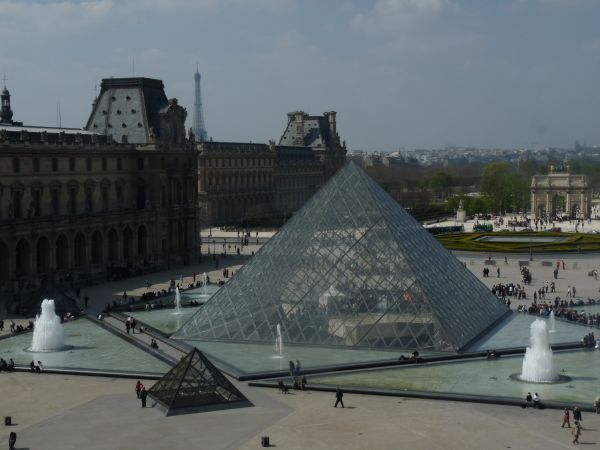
pixel 441 183
pixel 507 190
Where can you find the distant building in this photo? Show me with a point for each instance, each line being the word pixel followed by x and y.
pixel 235 182
pixel 244 183
pixel 320 134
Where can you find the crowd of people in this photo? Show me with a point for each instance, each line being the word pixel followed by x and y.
pixel 565 310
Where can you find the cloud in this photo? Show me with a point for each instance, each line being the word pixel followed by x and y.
pixel 52 17
pixel 388 15
pixel 67 16
pixel 211 5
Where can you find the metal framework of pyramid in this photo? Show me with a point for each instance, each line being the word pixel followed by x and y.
pixel 352 268
pixel 193 385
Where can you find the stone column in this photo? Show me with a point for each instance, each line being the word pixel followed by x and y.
pixel 548 204
pixel 534 211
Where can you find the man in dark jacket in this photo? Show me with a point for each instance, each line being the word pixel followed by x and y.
pixel 338 397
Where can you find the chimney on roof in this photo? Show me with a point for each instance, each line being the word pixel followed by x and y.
pixel 332 125
pixel 298 128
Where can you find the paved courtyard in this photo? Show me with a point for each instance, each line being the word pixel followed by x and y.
pixel 57 412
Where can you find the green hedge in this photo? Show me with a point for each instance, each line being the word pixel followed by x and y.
pixel 468 242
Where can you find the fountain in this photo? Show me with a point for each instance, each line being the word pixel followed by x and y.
pixel 538 364
pixel 552 321
pixel 177 301
pixel 48 334
pixel 279 342
pixel 204 283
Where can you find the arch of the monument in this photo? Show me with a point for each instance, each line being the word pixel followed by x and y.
pixel 561 194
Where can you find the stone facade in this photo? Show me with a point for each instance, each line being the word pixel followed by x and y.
pixel 235 182
pixel 76 205
pixel 242 183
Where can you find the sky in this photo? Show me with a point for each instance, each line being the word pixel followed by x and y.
pixel 402 74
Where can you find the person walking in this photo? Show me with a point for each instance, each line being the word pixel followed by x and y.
pixel 576 432
pixel 577 415
pixel 86 300
pixel 12 440
pixel 566 419
pixel 138 388
pixel 127 326
pixel 339 395
pixel 143 396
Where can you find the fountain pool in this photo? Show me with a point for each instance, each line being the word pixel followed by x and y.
pixel 89 347
pixel 248 358
pixel 165 320
pixel 481 378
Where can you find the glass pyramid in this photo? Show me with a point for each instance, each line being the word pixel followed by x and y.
pixel 194 384
pixel 352 268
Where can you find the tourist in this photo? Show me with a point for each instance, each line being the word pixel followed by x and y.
pixel 292 368
pixel 596 404
pixel 338 397
pixel 138 388
pixel 303 383
pixel 1 325
pixel 528 399
pixel 498 272
pixel 282 387
pixel 133 324
pixel 11 365
pixel 12 440
pixel 577 414
pixel 12 326
pixel 40 367
pixel 536 401
pixel 86 300
pixel 3 365
pixel 576 432
pixel 127 325
pixel 143 396
pixel 566 419
pixel 297 368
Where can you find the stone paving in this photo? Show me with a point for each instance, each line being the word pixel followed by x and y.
pixel 57 412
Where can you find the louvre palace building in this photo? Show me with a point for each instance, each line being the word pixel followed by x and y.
pixel 129 192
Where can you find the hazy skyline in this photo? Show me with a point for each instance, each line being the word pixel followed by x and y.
pixel 400 73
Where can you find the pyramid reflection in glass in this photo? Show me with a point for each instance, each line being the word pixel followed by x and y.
pixel 352 268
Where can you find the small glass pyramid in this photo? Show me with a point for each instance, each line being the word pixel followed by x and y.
pixel 352 268
pixel 194 384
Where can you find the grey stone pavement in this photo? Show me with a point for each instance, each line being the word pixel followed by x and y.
pixel 57 412
pixel 70 412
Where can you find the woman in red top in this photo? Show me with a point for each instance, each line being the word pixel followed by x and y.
pixel 138 388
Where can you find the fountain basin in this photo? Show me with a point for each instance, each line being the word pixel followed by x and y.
pixel 559 379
